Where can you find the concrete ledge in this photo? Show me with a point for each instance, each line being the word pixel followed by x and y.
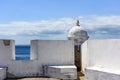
pixel 101 73
pixel 61 72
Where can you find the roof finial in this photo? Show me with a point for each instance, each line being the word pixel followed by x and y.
pixel 77 23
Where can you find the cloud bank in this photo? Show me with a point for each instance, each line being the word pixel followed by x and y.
pixel 98 27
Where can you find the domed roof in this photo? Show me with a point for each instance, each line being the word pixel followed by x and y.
pixel 78 34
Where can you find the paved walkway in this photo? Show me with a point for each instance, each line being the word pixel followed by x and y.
pixel 81 78
pixel 80 75
pixel 34 79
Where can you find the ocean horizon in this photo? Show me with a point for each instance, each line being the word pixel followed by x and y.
pixel 22 52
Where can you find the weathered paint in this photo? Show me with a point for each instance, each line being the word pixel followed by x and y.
pixel 2 73
pixel 67 72
pixel 43 52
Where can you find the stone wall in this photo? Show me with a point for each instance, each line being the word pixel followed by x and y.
pixel 7 51
pixel 101 53
pixel 2 73
pixel 43 52
pixel 100 59
pixel 55 52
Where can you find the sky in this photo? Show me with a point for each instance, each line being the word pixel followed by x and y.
pixel 25 20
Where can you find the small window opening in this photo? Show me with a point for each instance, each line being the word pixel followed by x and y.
pixel 78 48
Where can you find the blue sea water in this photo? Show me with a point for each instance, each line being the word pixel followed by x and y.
pixel 22 52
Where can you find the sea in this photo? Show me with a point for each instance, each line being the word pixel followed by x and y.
pixel 22 52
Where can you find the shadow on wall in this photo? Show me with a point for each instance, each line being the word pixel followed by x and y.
pixel 6 42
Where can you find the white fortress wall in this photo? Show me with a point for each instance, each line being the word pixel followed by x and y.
pixel 7 50
pixel 34 50
pixel 43 52
pixel 15 67
pixel 103 60
pixel 23 68
pixel 55 52
pixel 52 52
pixel 101 53
pixel 84 55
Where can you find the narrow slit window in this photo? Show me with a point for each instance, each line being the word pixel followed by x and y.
pixel 78 48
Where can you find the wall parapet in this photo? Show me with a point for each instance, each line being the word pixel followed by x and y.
pixel 101 57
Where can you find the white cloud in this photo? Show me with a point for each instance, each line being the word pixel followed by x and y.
pixel 16 28
pixel 58 28
pixel 101 32
pixel 92 22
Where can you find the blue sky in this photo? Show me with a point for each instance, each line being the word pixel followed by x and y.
pixel 24 20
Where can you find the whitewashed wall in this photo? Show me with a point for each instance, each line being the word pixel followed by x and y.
pixel 102 53
pixel 2 73
pixel 43 52
pixel 84 56
pixel 34 50
pixel 6 52
pixel 54 52
pixel 23 68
